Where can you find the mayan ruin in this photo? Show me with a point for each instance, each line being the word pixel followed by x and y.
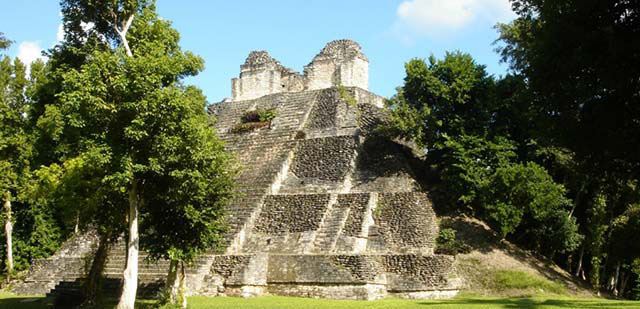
pixel 328 209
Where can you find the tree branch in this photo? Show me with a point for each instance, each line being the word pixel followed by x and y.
pixel 123 33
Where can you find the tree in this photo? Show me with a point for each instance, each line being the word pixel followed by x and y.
pixel 442 98
pixel 625 247
pixel 128 104
pixel 480 144
pixel 14 142
pixel 580 61
pixel 193 193
pixel 524 198
pixel 4 42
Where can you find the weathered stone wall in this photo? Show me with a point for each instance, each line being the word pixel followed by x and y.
pixel 371 117
pixel 340 62
pixel 333 276
pixel 236 275
pixel 323 115
pixel 291 213
pixel 417 272
pixel 287 223
pixel 322 269
pixel 327 159
pixel 404 222
pixel 261 75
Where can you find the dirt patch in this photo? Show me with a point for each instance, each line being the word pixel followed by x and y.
pixel 489 254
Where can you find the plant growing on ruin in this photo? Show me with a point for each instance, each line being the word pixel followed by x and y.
pixel 254 119
pixel 347 97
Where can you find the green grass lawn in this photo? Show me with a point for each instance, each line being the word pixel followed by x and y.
pixel 21 302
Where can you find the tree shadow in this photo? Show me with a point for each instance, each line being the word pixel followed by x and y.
pixel 529 303
pixel 25 302
pixel 40 302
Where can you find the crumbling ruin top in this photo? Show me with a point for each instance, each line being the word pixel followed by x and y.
pixel 339 63
pixel 259 58
pixel 341 49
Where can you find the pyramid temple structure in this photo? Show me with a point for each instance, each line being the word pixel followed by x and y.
pixel 327 207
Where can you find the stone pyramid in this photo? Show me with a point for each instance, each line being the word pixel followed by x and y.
pixel 328 208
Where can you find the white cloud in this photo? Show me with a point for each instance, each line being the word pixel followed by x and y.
pixel 60 34
pixel 433 17
pixel 29 52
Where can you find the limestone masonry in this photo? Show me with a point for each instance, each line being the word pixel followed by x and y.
pixel 328 207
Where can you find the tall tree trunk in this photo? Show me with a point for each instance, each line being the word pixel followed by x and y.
pixel 93 283
pixel 579 267
pixel 623 283
pixel 8 230
pixel 176 284
pixel 182 292
pixel 130 286
pixel 76 227
pixel 615 281
pixel 172 285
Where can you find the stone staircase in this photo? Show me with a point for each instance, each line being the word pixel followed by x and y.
pixel 151 275
pixel 331 228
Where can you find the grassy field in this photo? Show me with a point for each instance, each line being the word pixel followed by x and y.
pixel 467 301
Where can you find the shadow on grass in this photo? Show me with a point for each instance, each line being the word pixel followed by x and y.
pixel 41 302
pixel 25 303
pixel 529 303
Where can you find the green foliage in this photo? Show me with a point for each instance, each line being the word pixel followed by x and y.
pixel 258 115
pixel 36 232
pixel 584 80
pixel 635 268
pixel 253 120
pixel 441 98
pixel 466 162
pixel 102 14
pixel 447 243
pixel 4 42
pixel 518 189
pixel 478 139
pixel 595 237
pixel 266 114
pixel 140 127
pixel 624 230
pixel 583 87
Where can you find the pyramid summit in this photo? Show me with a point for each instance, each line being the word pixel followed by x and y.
pixel 340 62
pixel 328 208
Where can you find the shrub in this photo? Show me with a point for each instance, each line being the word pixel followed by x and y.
pixel 265 115
pixel 447 243
pixel 250 116
pixel 258 115
pixel 254 119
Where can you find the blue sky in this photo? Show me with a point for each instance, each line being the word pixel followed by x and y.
pixel 391 32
